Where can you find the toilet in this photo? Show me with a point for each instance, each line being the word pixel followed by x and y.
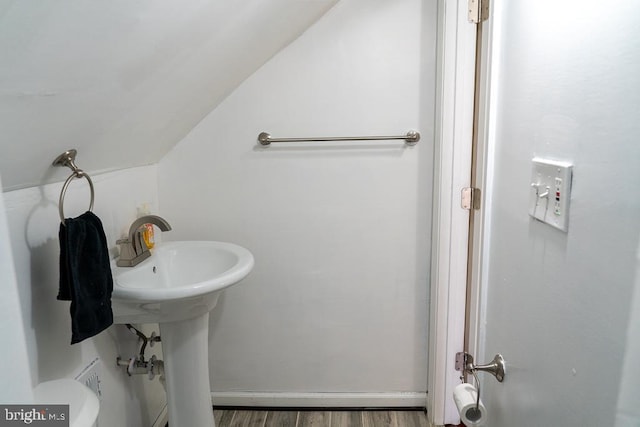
pixel 83 403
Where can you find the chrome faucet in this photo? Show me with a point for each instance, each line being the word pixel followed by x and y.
pixel 133 250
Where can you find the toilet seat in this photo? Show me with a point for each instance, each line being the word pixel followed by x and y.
pixel 84 406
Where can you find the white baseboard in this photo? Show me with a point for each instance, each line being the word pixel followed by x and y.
pixel 321 400
pixel 163 418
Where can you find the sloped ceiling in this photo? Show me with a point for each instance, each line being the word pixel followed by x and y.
pixel 123 81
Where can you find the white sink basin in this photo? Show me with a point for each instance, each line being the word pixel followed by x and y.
pixel 181 280
pixel 176 287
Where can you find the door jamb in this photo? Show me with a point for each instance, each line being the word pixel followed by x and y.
pixel 452 172
pixel 486 97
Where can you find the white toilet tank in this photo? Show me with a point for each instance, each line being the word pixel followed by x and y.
pixel 84 406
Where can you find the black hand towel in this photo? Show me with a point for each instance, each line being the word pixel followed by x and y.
pixel 85 275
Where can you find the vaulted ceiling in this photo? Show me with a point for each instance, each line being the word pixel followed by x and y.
pixel 123 81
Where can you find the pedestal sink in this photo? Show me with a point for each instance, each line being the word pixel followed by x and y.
pixel 177 287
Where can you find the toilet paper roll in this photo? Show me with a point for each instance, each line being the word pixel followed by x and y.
pixel 465 396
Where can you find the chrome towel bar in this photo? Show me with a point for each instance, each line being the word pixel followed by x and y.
pixel 68 159
pixel 411 138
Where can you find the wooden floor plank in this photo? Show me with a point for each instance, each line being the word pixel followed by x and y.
pixel 346 419
pixel 223 417
pixel 377 419
pixel 248 418
pixel 411 419
pixel 281 419
pixel 314 419
pixel 285 418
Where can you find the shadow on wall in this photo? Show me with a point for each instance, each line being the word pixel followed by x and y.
pixel 49 321
pixel 353 149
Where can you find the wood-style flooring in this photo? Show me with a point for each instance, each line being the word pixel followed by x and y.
pixel 293 418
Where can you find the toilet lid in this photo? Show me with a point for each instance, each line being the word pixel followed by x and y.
pixel 83 403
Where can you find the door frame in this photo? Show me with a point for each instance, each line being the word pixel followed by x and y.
pixel 456 61
pixel 488 63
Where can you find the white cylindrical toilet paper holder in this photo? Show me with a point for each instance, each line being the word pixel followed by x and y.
pixel 466 397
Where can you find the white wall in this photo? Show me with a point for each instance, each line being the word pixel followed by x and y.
pixel 628 412
pixel 338 299
pixel 124 81
pixel 33 219
pixel 560 303
pixel 16 376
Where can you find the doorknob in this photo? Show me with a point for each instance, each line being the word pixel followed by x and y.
pixel 464 362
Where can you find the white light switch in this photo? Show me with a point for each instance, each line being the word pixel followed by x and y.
pixel 550 192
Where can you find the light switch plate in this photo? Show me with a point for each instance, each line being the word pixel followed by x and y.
pixel 550 192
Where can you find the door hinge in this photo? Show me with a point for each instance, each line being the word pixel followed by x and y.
pixel 478 11
pixel 470 198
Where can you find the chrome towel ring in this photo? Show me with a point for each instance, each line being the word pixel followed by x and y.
pixel 68 159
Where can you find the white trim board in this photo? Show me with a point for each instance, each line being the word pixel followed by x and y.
pixel 452 172
pixel 319 400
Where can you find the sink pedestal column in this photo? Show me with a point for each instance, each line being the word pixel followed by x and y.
pixel 185 346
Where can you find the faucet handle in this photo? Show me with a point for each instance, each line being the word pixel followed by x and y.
pixel 127 252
